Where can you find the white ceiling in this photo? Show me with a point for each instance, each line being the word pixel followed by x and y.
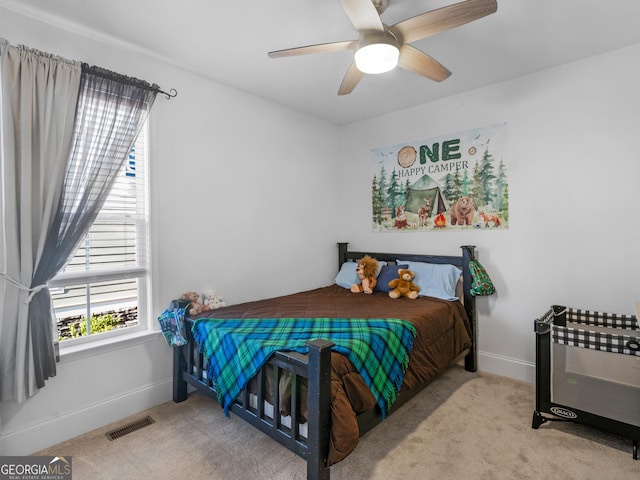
pixel 228 42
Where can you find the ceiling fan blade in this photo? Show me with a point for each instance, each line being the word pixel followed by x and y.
pixel 350 80
pixel 310 49
pixel 445 18
pixel 416 61
pixel 363 14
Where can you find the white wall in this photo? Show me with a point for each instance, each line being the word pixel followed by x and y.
pixel 242 198
pixel 573 187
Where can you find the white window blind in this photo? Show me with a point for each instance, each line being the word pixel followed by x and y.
pixel 107 275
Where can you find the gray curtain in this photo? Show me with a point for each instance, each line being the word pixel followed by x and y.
pixel 37 108
pixel 110 111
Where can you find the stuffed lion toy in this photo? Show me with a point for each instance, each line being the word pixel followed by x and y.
pixel 403 286
pixel 367 270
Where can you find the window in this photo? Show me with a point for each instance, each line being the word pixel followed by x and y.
pixel 106 280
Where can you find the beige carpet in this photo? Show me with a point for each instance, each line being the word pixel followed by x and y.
pixel 463 426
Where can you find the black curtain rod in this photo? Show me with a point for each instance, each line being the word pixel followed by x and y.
pixel 172 93
pixel 103 72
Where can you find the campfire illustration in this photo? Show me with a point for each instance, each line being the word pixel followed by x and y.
pixel 439 221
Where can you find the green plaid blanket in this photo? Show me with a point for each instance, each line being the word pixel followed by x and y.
pixel 237 348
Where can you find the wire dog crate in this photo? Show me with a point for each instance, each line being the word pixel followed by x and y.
pixel 588 370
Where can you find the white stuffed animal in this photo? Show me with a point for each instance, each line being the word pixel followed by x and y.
pixel 213 300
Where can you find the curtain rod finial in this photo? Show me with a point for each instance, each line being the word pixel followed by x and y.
pixel 172 93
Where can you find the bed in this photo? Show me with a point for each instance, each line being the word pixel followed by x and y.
pixel 317 402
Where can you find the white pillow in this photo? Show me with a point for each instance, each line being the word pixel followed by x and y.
pixel 435 280
pixel 347 275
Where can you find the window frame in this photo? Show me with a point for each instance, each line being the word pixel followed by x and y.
pixel 141 272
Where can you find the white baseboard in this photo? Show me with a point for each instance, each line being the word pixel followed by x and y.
pixel 51 432
pixel 507 367
pixel 45 434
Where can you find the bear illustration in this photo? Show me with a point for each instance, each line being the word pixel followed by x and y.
pixel 462 211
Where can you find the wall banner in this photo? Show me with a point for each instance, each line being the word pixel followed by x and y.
pixel 447 183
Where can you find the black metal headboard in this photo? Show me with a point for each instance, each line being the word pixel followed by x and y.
pixel 461 261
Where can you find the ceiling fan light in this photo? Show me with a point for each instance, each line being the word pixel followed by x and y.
pixel 377 57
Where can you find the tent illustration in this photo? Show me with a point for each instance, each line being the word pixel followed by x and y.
pixel 426 188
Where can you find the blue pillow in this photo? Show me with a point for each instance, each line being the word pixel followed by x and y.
pixel 347 275
pixel 436 280
pixel 387 273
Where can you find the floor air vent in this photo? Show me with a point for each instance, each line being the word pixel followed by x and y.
pixel 131 427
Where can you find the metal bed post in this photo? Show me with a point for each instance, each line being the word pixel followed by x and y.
pixel 319 409
pixel 471 360
pixel 179 384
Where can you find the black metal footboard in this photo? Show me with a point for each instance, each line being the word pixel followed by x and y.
pixel 304 432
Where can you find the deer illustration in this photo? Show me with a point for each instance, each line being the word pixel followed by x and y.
pixel 423 213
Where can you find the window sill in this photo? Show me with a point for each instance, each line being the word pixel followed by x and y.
pixel 99 347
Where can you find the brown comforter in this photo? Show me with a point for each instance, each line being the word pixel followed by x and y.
pixel 442 327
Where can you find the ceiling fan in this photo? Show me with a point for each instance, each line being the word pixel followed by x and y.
pixel 380 48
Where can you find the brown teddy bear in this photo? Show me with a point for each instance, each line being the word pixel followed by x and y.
pixel 462 211
pixel 195 306
pixel 403 286
pixel 367 269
